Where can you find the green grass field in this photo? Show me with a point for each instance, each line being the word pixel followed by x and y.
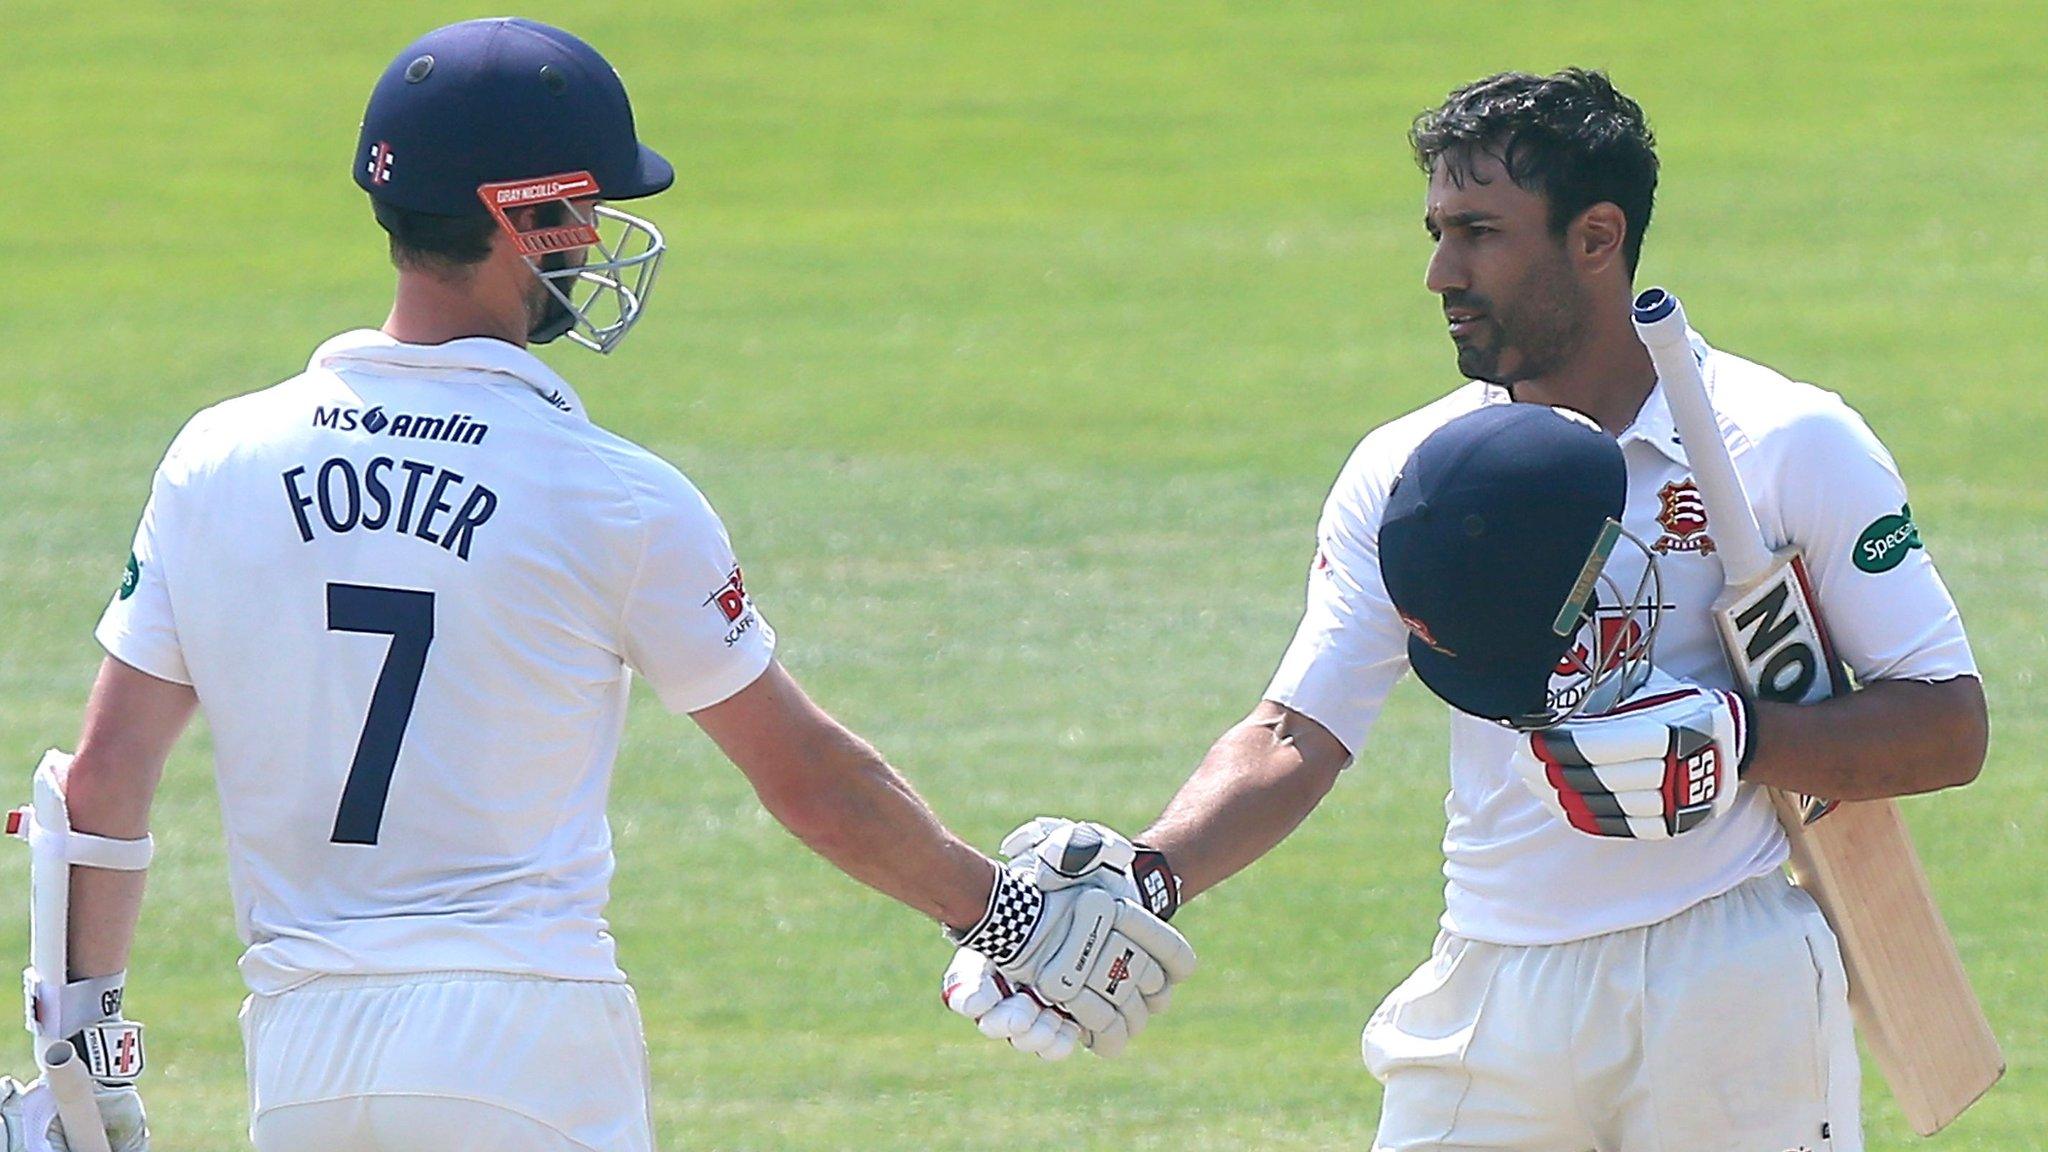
pixel 1018 344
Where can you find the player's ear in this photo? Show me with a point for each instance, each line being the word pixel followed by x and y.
pixel 1595 239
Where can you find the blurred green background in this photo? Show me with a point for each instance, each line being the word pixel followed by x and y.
pixel 1018 344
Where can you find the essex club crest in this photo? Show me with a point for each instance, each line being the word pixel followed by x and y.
pixel 1683 516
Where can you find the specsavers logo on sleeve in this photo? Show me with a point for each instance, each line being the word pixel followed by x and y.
pixel 1883 545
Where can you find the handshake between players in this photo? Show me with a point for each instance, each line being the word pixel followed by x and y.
pixel 1075 949
pixel 1494 571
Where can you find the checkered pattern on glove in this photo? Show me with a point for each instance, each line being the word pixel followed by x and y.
pixel 1104 961
pixel 1015 909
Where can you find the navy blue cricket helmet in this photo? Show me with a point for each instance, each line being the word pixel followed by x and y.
pixel 489 101
pixel 506 114
pixel 1495 537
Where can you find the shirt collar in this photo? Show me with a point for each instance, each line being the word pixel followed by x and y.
pixel 1653 424
pixel 377 351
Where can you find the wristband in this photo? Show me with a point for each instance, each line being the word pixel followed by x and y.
pixel 83 1003
pixel 1745 729
pixel 1158 884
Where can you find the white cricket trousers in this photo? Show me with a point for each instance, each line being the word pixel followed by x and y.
pixel 447 1061
pixel 1723 1029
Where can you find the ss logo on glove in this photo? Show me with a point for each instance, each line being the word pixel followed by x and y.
pixel 1660 764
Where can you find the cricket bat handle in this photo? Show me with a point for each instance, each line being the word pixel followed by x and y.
pixel 71 1085
pixel 1660 324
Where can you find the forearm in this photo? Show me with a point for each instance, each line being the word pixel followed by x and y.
pixel 1259 781
pixel 105 907
pixel 131 723
pixel 864 817
pixel 1889 738
pixel 837 795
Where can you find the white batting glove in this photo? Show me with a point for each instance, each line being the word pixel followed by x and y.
pixel 1004 1011
pixel 28 1112
pixel 1058 855
pixel 1663 762
pixel 1069 852
pixel 1015 1013
pixel 1081 949
pixel 1064 853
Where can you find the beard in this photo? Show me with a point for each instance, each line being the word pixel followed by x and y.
pixel 1527 338
pixel 547 318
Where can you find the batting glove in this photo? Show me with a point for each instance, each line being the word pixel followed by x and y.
pixel 1663 762
pixel 1082 949
pixel 28 1112
pixel 1005 1011
pixel 1058 855
pixel 110 1048
pixel 1063 853
pixel 1069 852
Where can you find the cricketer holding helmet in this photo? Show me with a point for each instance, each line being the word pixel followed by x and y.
pixel 1599 983
pixel 409 588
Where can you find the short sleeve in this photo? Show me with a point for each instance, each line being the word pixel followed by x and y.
pixel 689 626
pixel 139 627
pixel 1844 504
pixel 1350 648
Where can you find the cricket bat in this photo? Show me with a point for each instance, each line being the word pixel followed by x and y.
pixel 69 1082
pixel 45 824
pixel 1908 991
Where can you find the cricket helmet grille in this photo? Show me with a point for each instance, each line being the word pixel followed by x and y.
pixel 1495 540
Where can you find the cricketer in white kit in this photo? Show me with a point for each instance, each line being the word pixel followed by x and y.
pixel 1619 986
pixel 409 587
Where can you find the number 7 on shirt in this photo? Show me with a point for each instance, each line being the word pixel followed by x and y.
pixel 407 616
pixel 1912 1000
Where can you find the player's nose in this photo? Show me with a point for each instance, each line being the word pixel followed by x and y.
pixel 1445 273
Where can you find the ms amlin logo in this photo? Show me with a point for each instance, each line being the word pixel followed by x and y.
pixel 456 429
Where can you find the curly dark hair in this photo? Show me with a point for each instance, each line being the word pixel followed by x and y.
pixel 1570 136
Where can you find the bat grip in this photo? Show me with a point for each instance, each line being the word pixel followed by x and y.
pixel 1660 325
pixel 71 1085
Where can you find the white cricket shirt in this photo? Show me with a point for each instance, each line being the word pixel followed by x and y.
pixel 407 586
pixel 1818 477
